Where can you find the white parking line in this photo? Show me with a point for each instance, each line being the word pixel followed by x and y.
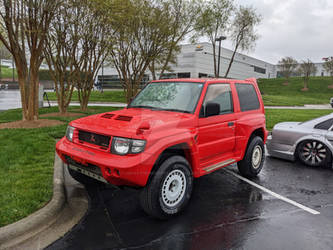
pixel 294 203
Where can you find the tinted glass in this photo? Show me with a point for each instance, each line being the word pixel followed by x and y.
pixel 221 94
pixel 169 96
pixel 248 98
pixel 325 125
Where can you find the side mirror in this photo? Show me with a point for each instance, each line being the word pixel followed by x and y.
pixel 212 108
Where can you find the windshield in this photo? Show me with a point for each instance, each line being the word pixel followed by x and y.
pixel 169 96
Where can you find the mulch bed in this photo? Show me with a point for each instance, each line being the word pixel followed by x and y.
pixel 31 124
pixel 61 115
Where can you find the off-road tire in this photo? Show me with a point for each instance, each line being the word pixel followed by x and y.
pixel 172 178
pixel 254 158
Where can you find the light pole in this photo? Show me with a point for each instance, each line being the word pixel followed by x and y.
pixel 219 39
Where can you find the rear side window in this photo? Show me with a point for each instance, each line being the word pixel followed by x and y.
pixel 248 98
pixel 325 125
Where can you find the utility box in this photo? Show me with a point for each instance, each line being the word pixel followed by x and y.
pixel 41 96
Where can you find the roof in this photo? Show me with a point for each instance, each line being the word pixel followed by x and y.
pixel 208 80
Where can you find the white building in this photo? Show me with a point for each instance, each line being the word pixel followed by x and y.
pixel 196 60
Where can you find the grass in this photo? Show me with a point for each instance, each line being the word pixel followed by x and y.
pixel 274 116
pixel 7 73
pixel 26 164
pixel 27 157
pixel 96 96
pixel 276 94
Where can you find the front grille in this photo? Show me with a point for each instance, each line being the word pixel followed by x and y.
pixel 96 139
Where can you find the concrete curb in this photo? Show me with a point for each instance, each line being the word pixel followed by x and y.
pixel 46 225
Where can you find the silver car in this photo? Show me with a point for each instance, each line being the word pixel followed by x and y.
pixel 311 142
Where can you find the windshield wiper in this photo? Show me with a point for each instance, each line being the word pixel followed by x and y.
pixel 144 107
pixel 176 110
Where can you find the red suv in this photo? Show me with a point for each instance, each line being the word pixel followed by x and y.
pixel 173 131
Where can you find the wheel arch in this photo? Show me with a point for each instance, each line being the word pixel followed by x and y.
pixel 182 149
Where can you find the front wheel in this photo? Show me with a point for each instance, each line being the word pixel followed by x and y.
pixel 170 189
pixel 253 160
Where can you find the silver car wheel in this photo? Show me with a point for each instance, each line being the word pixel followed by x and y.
pixel 173 188
pixel 313 153
pixel 256 156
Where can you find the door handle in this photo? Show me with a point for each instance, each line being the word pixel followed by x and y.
pixel 230 124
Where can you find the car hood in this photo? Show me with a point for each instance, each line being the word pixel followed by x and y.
pixel 133 122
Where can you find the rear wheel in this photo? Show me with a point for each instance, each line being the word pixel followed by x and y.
pixel 170 189
pixel 253 160
pixel 313 153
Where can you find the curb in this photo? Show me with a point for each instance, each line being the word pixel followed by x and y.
pixel 46 225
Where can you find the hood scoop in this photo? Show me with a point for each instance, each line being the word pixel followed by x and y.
pixel 123 118
pixel 107 116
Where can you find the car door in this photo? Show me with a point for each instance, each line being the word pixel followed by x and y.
pixel 216 134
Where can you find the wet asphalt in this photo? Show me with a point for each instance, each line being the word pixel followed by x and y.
pixel 224 213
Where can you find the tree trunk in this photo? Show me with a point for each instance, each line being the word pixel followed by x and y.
pixel 214 57
pixel 29 95
pixel 231 61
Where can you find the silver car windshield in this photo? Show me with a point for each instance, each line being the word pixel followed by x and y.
pixel 169 96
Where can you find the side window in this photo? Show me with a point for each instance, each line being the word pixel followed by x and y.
pixel 325 125
pixel 248 98
pixel 221 94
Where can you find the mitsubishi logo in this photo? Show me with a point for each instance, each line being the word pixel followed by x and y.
pixel 92 138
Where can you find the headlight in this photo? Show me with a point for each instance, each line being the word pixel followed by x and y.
pixel 69 133
pixel 124 146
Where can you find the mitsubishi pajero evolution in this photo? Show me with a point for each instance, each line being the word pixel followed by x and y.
pixel 173 131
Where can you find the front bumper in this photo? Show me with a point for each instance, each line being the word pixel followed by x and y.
pixel 279 150
pixel 129 170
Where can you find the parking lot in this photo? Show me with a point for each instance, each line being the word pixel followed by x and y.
pixel 289 206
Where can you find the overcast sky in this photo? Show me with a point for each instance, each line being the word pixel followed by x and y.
pixel 298 28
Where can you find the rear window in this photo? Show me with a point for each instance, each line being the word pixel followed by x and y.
pixel 248 98
pixel 325 125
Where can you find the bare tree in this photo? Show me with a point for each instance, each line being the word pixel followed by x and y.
pixel 287 66
pixel 213 22
pixel 141 33
pixel 25 24
pixel 307 68
pixel 181 15
pixel 78 44
pixel 243 33
pixel 328 66
pixel 60 49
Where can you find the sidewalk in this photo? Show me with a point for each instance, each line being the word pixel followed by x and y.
pixel 306 106
pixel 101 104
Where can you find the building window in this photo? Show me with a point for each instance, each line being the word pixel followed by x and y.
pixel 259 70
pixel 184 75
pixel 202 75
